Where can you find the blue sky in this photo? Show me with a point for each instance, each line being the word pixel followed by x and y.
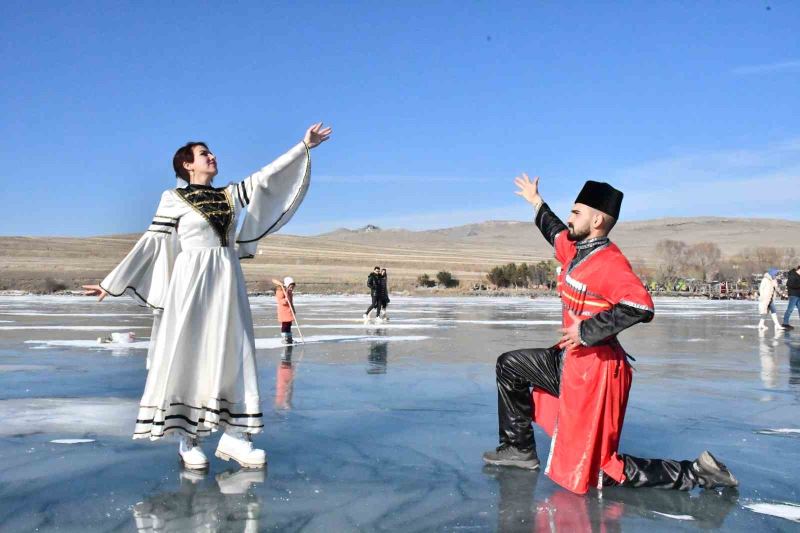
pixel 691 108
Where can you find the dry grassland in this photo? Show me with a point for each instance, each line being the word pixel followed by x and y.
pixel 339 261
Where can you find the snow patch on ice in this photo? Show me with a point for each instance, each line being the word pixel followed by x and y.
pixel 507 322
pixel 787 432
pixel 675 516
pixel 71 441
pixel 699 312
pixel 79 328
pixel 789 511
pixel 26 312
pixel 371 325
pixel 114 346
pixel 266 344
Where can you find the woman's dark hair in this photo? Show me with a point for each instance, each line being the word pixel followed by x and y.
pixel 185 154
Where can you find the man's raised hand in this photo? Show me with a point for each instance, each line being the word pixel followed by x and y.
pixel 529 189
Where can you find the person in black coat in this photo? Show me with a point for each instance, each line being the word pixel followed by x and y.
pixel 383 293
pixel 373 284
pixel 793 287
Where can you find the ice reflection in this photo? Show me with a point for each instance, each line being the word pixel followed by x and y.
pixel 226 504
pixel 769 365
pixel 284 381
pixel 562 511
pixel 794 364
pixel 377 357
pixel 706 510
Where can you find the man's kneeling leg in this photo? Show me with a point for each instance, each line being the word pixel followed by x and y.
pixel 517 371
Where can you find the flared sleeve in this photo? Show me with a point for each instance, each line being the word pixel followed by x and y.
pixel 271 197
pixel 145 272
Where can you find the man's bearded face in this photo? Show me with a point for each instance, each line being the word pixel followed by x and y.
pixel 578 222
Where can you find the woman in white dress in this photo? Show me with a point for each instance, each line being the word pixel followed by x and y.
pixel 202 370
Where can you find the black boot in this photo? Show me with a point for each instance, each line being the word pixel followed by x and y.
pixel 508 455
pixel 705 471
pixel 711 473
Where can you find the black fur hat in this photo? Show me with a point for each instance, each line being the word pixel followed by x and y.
pixel 602 197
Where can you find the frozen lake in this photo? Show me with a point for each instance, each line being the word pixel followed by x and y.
pixel 382 428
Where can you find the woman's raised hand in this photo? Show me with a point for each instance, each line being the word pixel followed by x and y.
pixel 95 290
pixel 316 135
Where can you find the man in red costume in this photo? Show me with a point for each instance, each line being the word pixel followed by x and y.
pixel 578 390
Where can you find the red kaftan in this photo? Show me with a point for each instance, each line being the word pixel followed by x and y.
pixel 585 421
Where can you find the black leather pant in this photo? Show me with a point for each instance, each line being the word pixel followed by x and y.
pixel 376 304
pixel 519 370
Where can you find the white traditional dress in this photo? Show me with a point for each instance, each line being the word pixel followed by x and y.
pixel 202 368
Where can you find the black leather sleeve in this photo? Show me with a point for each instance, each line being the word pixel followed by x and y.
pixel 603 325
pixel 548 223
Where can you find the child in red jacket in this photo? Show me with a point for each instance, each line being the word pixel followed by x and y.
pixel 283 295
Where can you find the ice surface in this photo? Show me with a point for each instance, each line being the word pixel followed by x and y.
pixel 107 416
pixel 372 429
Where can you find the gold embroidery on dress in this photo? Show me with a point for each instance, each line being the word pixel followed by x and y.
pixel 222 224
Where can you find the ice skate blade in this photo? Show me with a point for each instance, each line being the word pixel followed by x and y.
pixel 253 466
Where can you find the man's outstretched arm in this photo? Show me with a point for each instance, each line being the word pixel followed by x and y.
pixel 547 221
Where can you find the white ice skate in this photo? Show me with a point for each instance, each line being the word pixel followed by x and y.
pixel 385 317
pixel 366 318
pixel 237 446
pixel 191 454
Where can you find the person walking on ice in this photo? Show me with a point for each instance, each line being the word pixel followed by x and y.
pixel 383 295
pixel 284 295
pixel 766 299
pixel 202 373
pixel 375 302
pixel 578 389
pixel 793 288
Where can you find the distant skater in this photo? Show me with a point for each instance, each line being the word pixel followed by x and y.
pixel 383 294
pixel 284 296
pixel 766 299
pixel 373 284
pixel 202 375
pixel 793 287
pixel 578 390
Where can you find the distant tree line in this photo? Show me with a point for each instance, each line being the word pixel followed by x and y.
pixel 541 274
pixel 704 261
